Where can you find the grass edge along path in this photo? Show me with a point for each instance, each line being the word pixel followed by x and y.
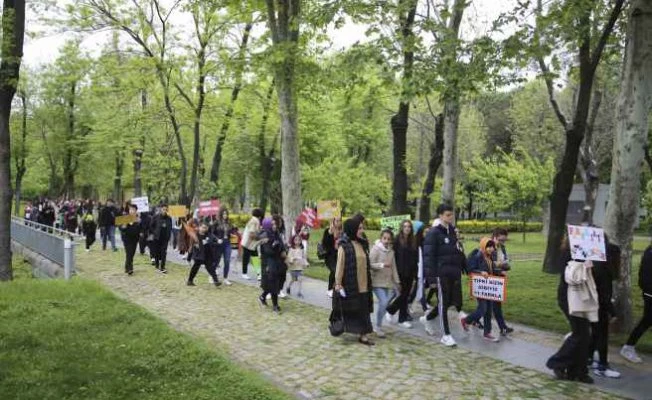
pixel 77 340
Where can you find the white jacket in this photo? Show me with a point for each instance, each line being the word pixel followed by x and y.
pixel 582 293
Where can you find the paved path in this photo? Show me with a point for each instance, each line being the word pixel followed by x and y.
pixel 295 350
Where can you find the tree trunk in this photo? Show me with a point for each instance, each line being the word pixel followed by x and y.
pixel 587 166
pixel 68 168
pixel 13 32
pixel 452 107
pixel 22 154
pixel 634 102
pixel 436 156
pixel 221 137
pixel 117 180
pixel 399 124
pixel 451 123
pixel 267 159
pixel 138 153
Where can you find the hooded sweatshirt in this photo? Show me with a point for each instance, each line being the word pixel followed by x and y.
pixel 482 262
pixel 381 276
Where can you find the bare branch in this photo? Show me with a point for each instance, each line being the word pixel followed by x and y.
pixel 606 32
pixel 184 95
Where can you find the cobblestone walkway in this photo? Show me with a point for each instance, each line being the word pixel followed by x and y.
pixel 296 351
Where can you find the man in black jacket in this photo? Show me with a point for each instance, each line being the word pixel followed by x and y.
pixel 443 263
pixel 645 283
pixel 106 222
pixel 161 231
pixel 130 235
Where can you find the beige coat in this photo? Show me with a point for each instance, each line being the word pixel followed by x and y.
pixel 381 276
pixel 582 292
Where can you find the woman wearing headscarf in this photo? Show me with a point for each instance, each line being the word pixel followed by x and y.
pixel 272 251
pixel 353 301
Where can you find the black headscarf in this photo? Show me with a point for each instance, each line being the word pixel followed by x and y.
pixel 351 228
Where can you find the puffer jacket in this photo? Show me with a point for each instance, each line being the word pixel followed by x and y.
pixel 441 254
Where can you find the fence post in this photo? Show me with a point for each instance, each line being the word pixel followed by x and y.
pixel 67 259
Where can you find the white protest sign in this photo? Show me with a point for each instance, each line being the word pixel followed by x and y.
pixel 587 243
pixel 492 288
pixel 142 203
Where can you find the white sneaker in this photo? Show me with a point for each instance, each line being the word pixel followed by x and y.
pixel 88 250
pixel 258 277
pixel 329 294
pixel 227 282
pixel 406 325
pixel 388 318
pixel 462 314
pixel 629 354
pixel 380 333
pixel 210 280
pixel 448 341
pixel 245 277
pixel 607 372
pixel 428 325
pixel 269 296
pixel 282 295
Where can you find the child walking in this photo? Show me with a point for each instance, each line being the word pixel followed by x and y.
pixel 384 275
pixel 296 263
pixel 204 253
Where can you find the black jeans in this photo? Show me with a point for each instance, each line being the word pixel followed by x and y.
pixel 600 337
pixel 449 293
pixel 90 239
pixel 246 258
pixel 160 249
pixel 401 303
pixel 195 268
pixel 130 251
pixel 142 244
pixel 645 324
pixel 573 354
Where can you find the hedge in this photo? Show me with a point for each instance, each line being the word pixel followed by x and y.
pixel 465 226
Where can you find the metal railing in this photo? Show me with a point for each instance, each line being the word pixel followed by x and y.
pixel 54 244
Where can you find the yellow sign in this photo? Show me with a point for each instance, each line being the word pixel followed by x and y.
pixel 328 209
pixel 177 211
pixel 125 219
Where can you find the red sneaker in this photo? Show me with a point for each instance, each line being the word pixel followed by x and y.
pixel 489 337
pixel 465 325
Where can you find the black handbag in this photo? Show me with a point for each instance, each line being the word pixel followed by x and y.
pixel 336 328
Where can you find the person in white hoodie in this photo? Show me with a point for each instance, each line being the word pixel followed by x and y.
pixel 384 275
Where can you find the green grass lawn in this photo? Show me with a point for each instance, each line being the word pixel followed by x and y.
pixel 76 340
pixel 532 294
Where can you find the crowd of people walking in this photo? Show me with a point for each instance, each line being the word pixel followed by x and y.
pixel 400 269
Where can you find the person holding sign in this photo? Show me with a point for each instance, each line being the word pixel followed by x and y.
pixel 501 259
pixel 578 299
pixel 204 252
pixel 482 262
pixel 130 234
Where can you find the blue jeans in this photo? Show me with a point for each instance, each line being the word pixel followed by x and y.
pixel 226 254
pixel 108 232
pixel 482 311
pixel 383 295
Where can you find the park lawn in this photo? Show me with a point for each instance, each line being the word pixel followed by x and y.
pixel 532 294
pixel 76 340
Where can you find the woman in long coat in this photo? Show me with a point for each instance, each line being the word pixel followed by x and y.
pixel 352 300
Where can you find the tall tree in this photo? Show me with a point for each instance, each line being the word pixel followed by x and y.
pixel 451 99
pixel 631 139
pixel 407 10
pixel 238 71
pixel 267 158
pixel 571 23
pixel 283 20
pixel 11 53
pixel 436 157
pixel 21 150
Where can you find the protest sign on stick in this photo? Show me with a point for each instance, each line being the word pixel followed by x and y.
pixel 125 219
pixel 177 211
pixel 142 203
pixel 587 243
pixel 328 209
pixel 208 208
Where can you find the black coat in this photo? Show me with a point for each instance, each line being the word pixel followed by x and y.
pixel 205 250
pixel 107 216
pixel 161 228
pixel 131 232
pixel 441 254
pixel 645 272
pixel 328 244
pixel 407 261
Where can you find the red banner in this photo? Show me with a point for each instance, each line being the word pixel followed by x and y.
pixel 208 208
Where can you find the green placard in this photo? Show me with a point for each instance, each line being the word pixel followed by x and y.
pixel 393 222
